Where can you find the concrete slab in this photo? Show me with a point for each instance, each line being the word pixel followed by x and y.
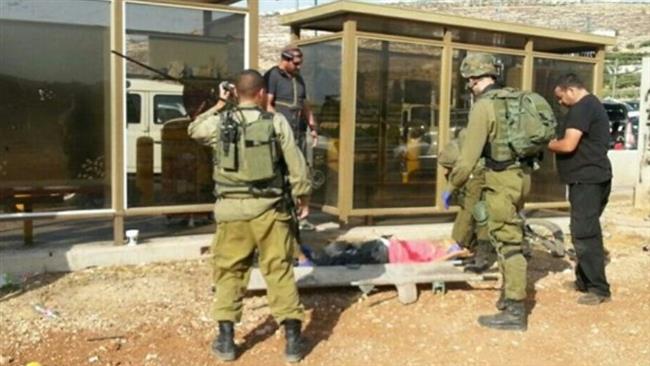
pixel 77 257
pixel 166 249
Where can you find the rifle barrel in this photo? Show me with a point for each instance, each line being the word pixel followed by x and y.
pixel 148 67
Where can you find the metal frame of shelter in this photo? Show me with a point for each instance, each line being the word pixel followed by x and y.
pixel 348 22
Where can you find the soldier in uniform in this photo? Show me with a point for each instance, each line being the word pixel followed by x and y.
pixel 469 232
pixel 254 152
pixel 506 185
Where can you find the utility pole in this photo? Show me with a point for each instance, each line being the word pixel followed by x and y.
pixel 642 186
pixel 615 78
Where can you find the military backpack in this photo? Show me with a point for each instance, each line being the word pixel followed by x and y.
pixel 246 156
pixel 525 125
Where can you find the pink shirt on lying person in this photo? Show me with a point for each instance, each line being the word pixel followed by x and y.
pixel 414 251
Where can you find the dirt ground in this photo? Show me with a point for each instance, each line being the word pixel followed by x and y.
pixel 159 315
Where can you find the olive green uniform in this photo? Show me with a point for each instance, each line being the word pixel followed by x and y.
pixel 465 228
pixel 246 222
pixel 504 193
pixel 465 231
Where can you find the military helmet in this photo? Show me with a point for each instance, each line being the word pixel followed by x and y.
pixel 478 64
pixel 451 152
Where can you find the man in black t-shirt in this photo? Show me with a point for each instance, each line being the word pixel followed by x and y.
pixel 287 94
pixel 583 165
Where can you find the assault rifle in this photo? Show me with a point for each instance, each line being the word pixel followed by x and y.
pixel 199 94
pixel 289 203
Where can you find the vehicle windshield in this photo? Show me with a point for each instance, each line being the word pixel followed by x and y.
pixel 616 112
pixel 422 114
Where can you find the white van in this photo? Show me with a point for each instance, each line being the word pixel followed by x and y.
pixel 149 104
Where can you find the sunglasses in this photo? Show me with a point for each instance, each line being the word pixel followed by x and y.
pixel 296 63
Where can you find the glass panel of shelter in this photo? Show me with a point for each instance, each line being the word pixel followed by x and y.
pixel 396 128
pixel 55 147
pixel 321 72
pixel 187 44
pixel 547 186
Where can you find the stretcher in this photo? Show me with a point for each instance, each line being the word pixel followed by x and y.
pixel 405 277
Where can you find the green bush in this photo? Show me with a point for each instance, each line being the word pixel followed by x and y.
pixel 628 81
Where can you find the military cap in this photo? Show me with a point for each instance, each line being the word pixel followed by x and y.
pixel 478 64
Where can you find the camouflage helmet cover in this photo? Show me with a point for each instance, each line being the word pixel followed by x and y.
pixel 478 64
pixel 451 152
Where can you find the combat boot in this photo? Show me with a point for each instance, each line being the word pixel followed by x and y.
pixel 502 303
pixel 293 349
pixel 224 345
pixel 513 317
pixel 484 258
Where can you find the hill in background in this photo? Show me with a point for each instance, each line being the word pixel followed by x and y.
pixel 630 21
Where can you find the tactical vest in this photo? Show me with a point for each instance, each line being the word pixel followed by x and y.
pixel 246 156
pixel 525 123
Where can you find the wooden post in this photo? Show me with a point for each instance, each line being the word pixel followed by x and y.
pixel 599 72
pixel 446 69
pixel 642 186
pixel 117 106
pixel 348 111
pixel 527 72
pixel 253 33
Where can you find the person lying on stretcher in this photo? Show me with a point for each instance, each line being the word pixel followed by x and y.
pixel 384 250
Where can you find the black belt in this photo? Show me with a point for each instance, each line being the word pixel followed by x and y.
pixel 499 166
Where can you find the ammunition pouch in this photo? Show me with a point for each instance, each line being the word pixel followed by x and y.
pixel 480 213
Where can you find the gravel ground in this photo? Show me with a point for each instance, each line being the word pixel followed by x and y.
pixel 160 315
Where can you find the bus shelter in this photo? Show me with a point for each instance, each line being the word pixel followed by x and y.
pixel 385 86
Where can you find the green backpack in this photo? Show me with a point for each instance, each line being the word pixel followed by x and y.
pixel 246 156
pixel 525 125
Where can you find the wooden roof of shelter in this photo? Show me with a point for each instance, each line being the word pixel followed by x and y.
pixel 218 2
pixel 391 19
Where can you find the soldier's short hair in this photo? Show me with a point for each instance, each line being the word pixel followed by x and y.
pixel 569 80
pixel 249 82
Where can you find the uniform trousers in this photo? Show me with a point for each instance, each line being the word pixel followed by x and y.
pixel 505 192
pixel 233 249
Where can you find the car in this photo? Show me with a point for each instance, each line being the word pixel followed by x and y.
pixel 633 104
pixel 623 128
pixel 150 104
pixel 633 114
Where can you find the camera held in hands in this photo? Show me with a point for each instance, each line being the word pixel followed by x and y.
pixel 227 86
